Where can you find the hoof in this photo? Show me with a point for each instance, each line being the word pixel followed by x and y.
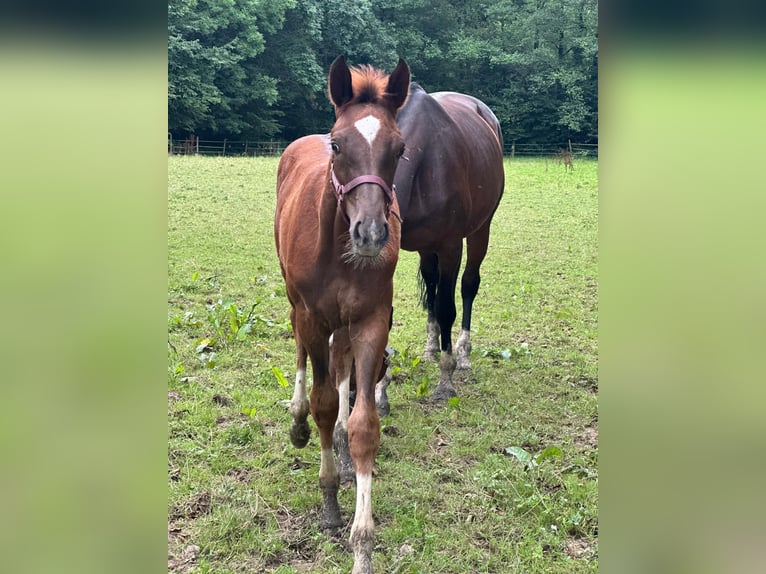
pixel 330 521
pixel 300 433
pixel 443 393
pixel 384 408
pixel 430 355
pixel 463 364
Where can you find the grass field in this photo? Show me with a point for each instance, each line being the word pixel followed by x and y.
pixel 504 479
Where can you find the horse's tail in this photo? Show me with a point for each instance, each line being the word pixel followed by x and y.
pixel 423 292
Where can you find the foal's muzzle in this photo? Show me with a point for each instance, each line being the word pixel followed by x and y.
pixel 368 237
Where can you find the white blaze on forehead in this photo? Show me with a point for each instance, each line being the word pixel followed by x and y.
pixel 368 127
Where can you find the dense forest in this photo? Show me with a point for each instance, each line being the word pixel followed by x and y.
pixel 256 69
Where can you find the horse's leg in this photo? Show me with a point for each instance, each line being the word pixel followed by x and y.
pixel 445 311
pixel 476 247
pixel 381 388
pixel 300 432
pixel 324 410
pixel 368 340
pixel 342 360
pixel 429 274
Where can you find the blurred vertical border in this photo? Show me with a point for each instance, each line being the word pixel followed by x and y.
pixel 683 276
pixel 83 112
pixel 83 286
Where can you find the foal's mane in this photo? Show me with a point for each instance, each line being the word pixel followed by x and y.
pixel 368 84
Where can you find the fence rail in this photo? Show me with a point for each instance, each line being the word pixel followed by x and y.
pixel 196 146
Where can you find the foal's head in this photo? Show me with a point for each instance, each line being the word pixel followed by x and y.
pixel 366 146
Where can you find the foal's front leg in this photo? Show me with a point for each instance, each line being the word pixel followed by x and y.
pixel 368 343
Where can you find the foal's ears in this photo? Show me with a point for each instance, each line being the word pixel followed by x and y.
pixel 398 85
pixel 341 91
pixel 340 82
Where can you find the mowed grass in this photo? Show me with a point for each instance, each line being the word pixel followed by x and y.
pixel 455 489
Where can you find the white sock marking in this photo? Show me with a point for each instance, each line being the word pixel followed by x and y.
pixel 363 514
pixel 300 402
pixel 368 127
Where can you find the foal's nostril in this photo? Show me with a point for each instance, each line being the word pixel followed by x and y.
pixel 357 235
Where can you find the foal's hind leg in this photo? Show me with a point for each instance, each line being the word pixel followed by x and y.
pixel 476 246
pixel 342 359
pixel 381 388
pixel 324 410
pixel 300 432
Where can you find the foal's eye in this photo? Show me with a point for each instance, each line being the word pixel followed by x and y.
pixel 401 151
pixel 335 147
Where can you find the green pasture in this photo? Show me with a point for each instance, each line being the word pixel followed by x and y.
pixel 502 479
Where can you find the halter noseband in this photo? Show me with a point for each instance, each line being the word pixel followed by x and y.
pixel 341 190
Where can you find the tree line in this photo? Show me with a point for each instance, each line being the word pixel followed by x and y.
pixel 257 69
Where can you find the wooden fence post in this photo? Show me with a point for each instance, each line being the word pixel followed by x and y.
pixel 513 149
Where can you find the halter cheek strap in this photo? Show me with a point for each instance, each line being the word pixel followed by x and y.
pixel 341 190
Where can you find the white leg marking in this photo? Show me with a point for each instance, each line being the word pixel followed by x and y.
pixel 382 385
pixel 368 127
pixel 300 404
pixel 363 515
pixel 463 350
pixel 432 339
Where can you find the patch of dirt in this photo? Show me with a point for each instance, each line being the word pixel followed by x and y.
pixel 590 384
pixel 182 557
pixel 224 421
pixel 242 475
pixel 173 396
pixel 198 505
pixel 579 548
pixel 439 443
pixel 588 438
pixel 295 530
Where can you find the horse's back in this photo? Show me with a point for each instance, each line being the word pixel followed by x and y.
pixel 303 160
pixel 472 107
pixel 300 181
pixel 476 133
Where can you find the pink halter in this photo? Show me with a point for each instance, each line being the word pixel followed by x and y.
pixel 341 190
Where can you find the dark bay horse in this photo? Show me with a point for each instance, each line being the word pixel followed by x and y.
pixel 449 184
pixel 337 235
